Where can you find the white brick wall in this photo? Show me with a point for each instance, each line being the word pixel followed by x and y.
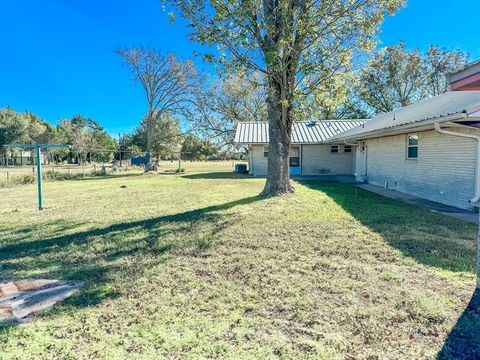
pixel 316 159
pixel 444 171
pixel 258 161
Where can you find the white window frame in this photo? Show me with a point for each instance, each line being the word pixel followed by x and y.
pixel 411 146
pixel 334 147
pixel 265 151
pixel 349 147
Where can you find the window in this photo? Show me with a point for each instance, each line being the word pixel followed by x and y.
pixel 265 151
pixel 295 156
pixel 334 149
pixel 412 147
pixel 347 148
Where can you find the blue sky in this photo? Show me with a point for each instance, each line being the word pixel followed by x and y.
pixel 57 56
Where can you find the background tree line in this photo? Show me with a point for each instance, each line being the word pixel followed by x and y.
pixel 194 117
pixel 88 140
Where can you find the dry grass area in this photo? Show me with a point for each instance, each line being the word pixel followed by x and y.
pixel 199 266
pixel 73 169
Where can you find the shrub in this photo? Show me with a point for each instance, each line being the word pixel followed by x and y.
pixel 18 180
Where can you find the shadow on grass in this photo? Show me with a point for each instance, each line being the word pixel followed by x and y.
pixel 107 258
pixel 428 238
pixel 109 176
pixel 463 342
pixel 216 175
pixel 431 239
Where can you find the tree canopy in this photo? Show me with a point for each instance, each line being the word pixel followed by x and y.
pixel 396 77
pixel 87 138
pixel 194 148
pixel 167 137
pixel 297 44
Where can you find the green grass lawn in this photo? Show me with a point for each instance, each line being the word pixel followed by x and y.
pixel 200 266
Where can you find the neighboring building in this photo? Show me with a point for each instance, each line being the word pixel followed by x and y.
pixel 309 155
pixel 19 157
pixel 466 79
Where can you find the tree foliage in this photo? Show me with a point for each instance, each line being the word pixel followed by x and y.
pixel 88 140
pixel 396 77
pixel 166 140
pixel 437 64
pixel 13 127
pixel 194 148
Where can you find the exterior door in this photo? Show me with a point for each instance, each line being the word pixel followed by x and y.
pixel 361 165
pixel 295 161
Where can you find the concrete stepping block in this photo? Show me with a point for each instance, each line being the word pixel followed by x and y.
pixel 22 300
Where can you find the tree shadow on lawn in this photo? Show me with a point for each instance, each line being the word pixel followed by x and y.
pixel 428 238
pixel 216 175
pixel 463 342
pixel 431 239
pixel 107 258
pixel 109 176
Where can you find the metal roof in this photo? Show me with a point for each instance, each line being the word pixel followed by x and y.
pixel 304 132
pixel 468 70
pixel 459 103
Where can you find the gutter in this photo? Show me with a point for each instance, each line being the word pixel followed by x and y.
pixel 476 198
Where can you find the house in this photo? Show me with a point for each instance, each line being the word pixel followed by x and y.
pixel 430 150
pixel 309 153
pixel 466 79
pixel 18 157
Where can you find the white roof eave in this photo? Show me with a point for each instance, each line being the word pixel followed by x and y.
pixel 401 129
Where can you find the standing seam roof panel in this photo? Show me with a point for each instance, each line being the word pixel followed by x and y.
pixel 302 132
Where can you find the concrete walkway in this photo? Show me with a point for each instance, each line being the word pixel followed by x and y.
pixel 347 179
pixel 451 211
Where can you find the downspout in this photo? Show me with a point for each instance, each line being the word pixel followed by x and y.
pixel 476 198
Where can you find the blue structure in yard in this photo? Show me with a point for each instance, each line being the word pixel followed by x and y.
pixel 140 160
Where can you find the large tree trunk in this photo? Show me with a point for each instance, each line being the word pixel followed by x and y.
pixel 150 122
pixel 478 256
pixel 279 131
pixel 149 136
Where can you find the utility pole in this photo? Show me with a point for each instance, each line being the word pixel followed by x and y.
pixel 120 147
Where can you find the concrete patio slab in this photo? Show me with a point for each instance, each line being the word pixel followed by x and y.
pixel 22 300
pixel 451 211
pixel 347 179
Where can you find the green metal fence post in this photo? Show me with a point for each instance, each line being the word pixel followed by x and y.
pixel 39 177
pixel 38 154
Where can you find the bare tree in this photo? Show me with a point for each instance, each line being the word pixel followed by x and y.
pixel 168 83
pixel 223 103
